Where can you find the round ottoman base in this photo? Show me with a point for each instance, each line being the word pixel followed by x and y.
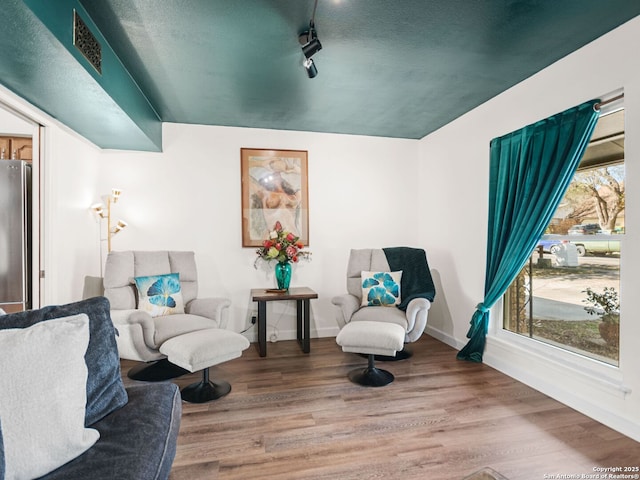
pixel 371 377
pixel 157 371
pixel 205 391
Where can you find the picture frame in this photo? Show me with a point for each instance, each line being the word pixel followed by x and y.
pixel 274 189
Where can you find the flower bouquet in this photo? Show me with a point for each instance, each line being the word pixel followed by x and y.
pixel 284 247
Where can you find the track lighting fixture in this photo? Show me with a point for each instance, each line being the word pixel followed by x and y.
pixel 310 45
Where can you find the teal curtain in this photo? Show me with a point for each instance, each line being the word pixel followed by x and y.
pixel 530 171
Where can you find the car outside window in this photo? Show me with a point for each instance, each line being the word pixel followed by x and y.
pixel 587 229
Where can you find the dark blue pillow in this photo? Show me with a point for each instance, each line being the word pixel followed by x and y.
pixel 105 390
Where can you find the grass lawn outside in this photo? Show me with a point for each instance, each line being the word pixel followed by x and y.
pixel 565 286
pixel 581 336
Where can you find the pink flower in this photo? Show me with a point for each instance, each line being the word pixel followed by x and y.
pixel 290 237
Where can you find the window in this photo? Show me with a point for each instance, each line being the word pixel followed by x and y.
pixel 568 294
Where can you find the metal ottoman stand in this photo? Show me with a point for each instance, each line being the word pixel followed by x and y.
pixel 371 338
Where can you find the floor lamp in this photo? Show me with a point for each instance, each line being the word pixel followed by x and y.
pixel 105 213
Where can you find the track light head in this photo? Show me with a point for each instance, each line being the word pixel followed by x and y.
pixel 310 67
pixel 312 47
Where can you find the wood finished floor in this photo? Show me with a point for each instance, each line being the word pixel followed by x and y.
pixel 296 416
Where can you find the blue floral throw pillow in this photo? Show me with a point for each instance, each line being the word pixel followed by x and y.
pixel 160 294
pixel 381 289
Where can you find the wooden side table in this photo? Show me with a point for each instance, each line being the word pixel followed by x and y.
pixel 301 295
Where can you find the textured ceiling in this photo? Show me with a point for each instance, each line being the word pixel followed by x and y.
pixel 387 68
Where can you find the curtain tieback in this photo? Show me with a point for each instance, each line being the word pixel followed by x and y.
pixel 482 308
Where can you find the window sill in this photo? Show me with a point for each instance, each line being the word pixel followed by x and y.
pixel 603 376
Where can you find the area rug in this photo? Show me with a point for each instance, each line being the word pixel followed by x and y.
pixel 485 473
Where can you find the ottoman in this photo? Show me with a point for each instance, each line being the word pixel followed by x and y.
pixel 371 338
pixel 200 350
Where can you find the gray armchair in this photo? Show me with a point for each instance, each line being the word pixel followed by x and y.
pixel 140 335
pixel 417 290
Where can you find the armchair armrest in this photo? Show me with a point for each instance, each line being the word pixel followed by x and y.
pixel 216 309
pixel 417 311
pixel 136 317
pixel 349 304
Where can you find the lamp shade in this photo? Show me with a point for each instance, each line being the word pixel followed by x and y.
pixel 99 209
pixel 119 226
pixel 115 194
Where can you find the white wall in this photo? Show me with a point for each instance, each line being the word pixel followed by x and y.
pixel 12 124
pixel 454 166
pixel 361 194
pixel 71 230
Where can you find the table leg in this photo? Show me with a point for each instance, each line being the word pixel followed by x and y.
pixel 299 314
pixel 306 335
pixel 262 328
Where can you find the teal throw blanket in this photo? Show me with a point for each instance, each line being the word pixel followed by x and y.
pixel 416 279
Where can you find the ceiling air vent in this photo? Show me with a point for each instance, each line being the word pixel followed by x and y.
pixel 84 41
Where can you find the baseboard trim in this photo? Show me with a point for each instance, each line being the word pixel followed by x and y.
pixel 290 334
pixel 443 337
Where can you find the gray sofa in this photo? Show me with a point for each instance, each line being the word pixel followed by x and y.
pixel 138 425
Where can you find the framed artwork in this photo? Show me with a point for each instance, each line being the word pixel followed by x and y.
pixel 274 188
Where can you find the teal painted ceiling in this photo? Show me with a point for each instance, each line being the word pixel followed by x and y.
pixel 400 68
